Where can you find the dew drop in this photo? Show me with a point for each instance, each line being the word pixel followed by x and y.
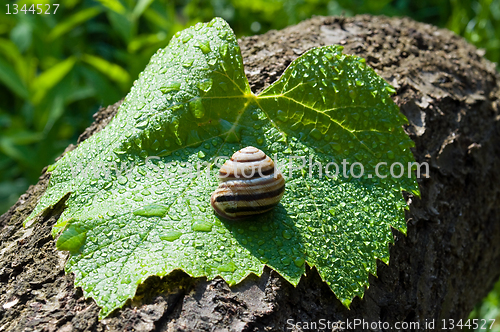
pixel 201 154
pixel 223 34
pixel 122 180
pixel 323 71
pixel 229 267
pixel 204 46
pixel 142 124
pixel 286 261
pixel 282 116
pixel 188 63
pixel 390 89
pixel 212 61
pixel 212 22
pixel 299 262
pixel 223 50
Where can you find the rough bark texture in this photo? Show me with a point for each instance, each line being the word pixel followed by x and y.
pixel 446 263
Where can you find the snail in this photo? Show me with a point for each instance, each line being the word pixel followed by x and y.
pixel 249 185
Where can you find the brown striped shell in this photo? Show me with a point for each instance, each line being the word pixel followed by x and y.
pixel 250 184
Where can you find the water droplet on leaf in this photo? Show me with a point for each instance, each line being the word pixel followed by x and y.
pixel 299 262
pixel 197 109
pixel 205 85
pixel 186 37
pixel 152 210
pixel 204 46
pixel 173 86
pixel 171 235
pixel 282 116
pixel 188 63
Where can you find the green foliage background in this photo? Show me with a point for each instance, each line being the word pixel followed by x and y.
pixel 56 70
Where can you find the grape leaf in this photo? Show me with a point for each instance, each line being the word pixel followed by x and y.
pixel 140 188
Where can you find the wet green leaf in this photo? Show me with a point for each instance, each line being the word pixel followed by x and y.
pixel 141 187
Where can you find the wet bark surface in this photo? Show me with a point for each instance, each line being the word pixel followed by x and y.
pixel 447 262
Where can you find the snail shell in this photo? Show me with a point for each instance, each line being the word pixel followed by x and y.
pixel 249 185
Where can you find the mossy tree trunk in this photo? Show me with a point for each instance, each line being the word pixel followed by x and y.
pixel 447 262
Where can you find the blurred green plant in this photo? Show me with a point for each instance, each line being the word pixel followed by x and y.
pixel 56 70
pixel 489 309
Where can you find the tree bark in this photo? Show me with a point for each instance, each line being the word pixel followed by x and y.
pixel 446 263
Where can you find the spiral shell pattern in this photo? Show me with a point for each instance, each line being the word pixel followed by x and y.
pixel 250 184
